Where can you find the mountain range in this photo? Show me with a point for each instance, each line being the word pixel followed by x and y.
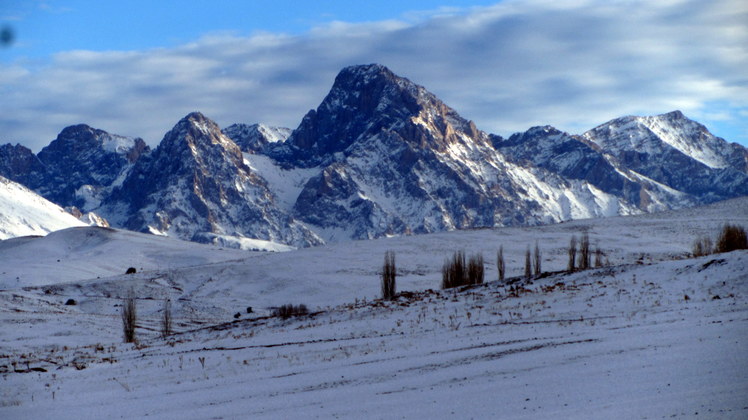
pixel 380 156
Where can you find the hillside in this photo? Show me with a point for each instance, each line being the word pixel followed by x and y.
pixel 653 335
pixel 23 212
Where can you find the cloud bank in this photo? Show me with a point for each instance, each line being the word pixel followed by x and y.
pixel 569 63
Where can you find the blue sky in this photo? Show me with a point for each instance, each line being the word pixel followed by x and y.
pixel 136 67
pixel 47 27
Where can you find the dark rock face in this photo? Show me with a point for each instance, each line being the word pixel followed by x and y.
pixel 255 137
pixel 20 164
pixel 196 186
pixel 80 156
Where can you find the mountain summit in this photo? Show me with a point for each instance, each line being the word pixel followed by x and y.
pixel 364 101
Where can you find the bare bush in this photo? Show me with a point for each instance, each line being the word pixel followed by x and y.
pixel 453 271
pixel 598 257
pixel 572 254
pixel 389 272
pixel 129 317
pixel 528 264
pixel 500 263
pixel 702 246
pixel 289 310
pixel 166 319
pixel 476 270
pixel 731 237
pixel 584 251
pixel 456 272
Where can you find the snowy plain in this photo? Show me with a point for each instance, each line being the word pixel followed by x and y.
pixel 653 335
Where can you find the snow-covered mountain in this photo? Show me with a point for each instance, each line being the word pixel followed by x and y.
pixel 393 159
pixel 678 153
pixel 24 213
pixel 653 335
pixel 380 156
pixel 196 186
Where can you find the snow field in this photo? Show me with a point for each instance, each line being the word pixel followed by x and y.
pixel 644 338
pixel 610 343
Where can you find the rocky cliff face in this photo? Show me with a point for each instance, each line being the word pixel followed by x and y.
pixel 20 164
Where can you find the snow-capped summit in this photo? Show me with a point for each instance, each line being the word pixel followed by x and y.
pixel 364 101
pixel 196 186
pixel 79 166
pixel 677 152
pixel 652 133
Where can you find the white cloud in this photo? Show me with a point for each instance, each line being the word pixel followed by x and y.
pixel 573 64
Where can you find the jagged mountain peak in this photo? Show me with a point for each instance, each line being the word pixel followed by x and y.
pixel 81 138
pixel 532 135
pixel 196 137
pixel 369 101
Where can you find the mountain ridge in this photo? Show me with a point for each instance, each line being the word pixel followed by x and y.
pixel 383 156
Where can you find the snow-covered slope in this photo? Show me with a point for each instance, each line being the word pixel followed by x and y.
pixel 650 336
pixel 23 212
pixel 85 253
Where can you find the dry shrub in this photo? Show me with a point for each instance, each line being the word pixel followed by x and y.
pixel 389 272
pixel 289 310
pixel 456 272
pixel 731 237
pixel 129 317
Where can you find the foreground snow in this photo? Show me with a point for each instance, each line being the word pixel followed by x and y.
pixel 654 336
pixel 619 342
